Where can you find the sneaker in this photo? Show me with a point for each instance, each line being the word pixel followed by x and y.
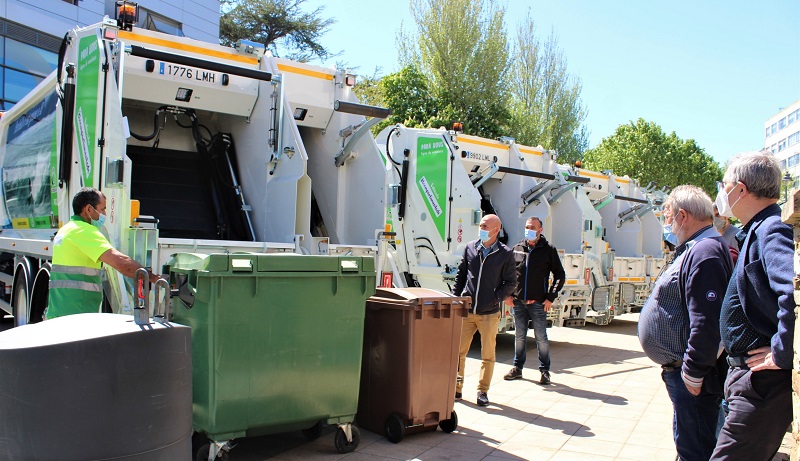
pixel 483 399
pixel 515 373
pixel 545 377
pixel 458 395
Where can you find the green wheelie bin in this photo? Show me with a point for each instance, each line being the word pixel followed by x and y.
pixel 410 359
pixel 276 341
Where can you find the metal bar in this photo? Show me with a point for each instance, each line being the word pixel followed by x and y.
pixel 532 174
pixel 142 52
pixel 578 179
pixel 631 199
pixel 361 109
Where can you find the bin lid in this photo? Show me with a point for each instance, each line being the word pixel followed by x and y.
pixel 410 293
pixel 243 263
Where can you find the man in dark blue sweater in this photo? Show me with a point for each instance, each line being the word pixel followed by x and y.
pixel 757 319
pixel 679 323
pixel 486 274
pixel 535 260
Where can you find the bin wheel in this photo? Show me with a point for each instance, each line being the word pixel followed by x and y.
pixel 449 425
pixel 202 453
pixel 341 443
pixel 314 431
pixel 394 428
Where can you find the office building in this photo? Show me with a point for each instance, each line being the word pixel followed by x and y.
pixel 782 138
pixel 31 32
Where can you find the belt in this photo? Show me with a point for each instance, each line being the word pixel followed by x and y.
pixel 672 366
pixel 738 361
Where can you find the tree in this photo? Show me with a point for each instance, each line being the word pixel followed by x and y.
pixel 545 99
pixel 278 24
pixel 643 151
pixel 462 50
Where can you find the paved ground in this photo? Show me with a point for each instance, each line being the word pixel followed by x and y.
pixel 607 402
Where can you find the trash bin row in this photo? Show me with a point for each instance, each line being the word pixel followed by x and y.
pixel 279 342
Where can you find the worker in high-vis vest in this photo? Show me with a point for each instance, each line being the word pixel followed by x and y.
pixel 79 250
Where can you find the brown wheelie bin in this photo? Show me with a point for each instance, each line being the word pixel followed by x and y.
pixel 408 368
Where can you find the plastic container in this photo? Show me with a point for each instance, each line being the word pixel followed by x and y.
pixel 96 386
pixel 410 359
pixel 276 339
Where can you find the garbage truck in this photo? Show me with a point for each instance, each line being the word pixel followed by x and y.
pixel 200 150
pixel 447 180
pixel 633 233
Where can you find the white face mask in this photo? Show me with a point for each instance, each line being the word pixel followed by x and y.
pixel 722 201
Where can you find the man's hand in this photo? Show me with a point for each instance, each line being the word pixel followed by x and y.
pixel 509 301
pixel 695 391
pixel 761 359
pixel 547 305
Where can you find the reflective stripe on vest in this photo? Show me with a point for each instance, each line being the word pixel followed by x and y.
pixel 76 270
pixel 76 284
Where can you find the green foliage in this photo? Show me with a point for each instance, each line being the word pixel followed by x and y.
pixel 462 50
pixel 643 151
pixel 545 103
pixel 278 24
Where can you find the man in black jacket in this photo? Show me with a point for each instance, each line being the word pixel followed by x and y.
pixel 486 274
pixel 535 260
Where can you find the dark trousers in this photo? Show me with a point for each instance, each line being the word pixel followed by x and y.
pixel 759 411
pixel 695 418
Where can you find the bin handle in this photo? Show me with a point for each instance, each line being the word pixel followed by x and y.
pixel 141 308
pixel 162 318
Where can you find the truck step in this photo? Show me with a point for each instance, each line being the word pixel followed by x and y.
pixel 574 322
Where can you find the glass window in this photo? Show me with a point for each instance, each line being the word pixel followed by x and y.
pixel 783 164
pixel 774 128
pixel 154 21
pixel 782 123
pixel 18 84
pixel 766 132
pixel 792 161
pixel 29 58
pixel 791 118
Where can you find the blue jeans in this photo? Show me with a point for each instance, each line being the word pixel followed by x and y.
pixel 523 313
pixel 695 419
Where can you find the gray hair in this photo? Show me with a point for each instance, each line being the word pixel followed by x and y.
pixel 692 200
pixel 759 171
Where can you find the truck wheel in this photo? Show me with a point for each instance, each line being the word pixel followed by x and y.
pixel 40 294
pixel 21 296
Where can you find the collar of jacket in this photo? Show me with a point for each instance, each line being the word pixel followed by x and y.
pixel 539 243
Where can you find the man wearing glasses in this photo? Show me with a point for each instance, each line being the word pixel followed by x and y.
pixel 757 316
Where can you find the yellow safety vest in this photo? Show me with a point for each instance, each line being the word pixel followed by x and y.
pixel 75 285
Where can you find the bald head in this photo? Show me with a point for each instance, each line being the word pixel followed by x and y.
pixel 492 224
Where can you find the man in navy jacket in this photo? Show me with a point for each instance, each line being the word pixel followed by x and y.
pixel 757 318
pixel 535 260
pixel 679 323
pixel 486 274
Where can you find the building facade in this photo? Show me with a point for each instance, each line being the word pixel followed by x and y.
pixel 31 32
pixel 782 138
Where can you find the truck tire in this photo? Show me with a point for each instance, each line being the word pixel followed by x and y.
pixel 39 294
pixel 20 297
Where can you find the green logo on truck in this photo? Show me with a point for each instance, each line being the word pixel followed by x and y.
pixel 86 98
pixel 432 155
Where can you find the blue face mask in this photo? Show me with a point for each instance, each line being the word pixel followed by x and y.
pixel 483 234
pixel 669 236
pixel 101 219
pixel 530 234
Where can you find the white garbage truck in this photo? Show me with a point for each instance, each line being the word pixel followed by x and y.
pixel 448 180
pixel 633 233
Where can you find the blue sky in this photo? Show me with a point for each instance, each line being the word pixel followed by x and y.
pixel 713 71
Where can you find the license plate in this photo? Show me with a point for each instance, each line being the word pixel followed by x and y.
pixel 189 73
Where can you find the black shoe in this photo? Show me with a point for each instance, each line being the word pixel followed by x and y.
pixel 545 377
pixel 458 395
pixel 515 373
pixel 483 399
